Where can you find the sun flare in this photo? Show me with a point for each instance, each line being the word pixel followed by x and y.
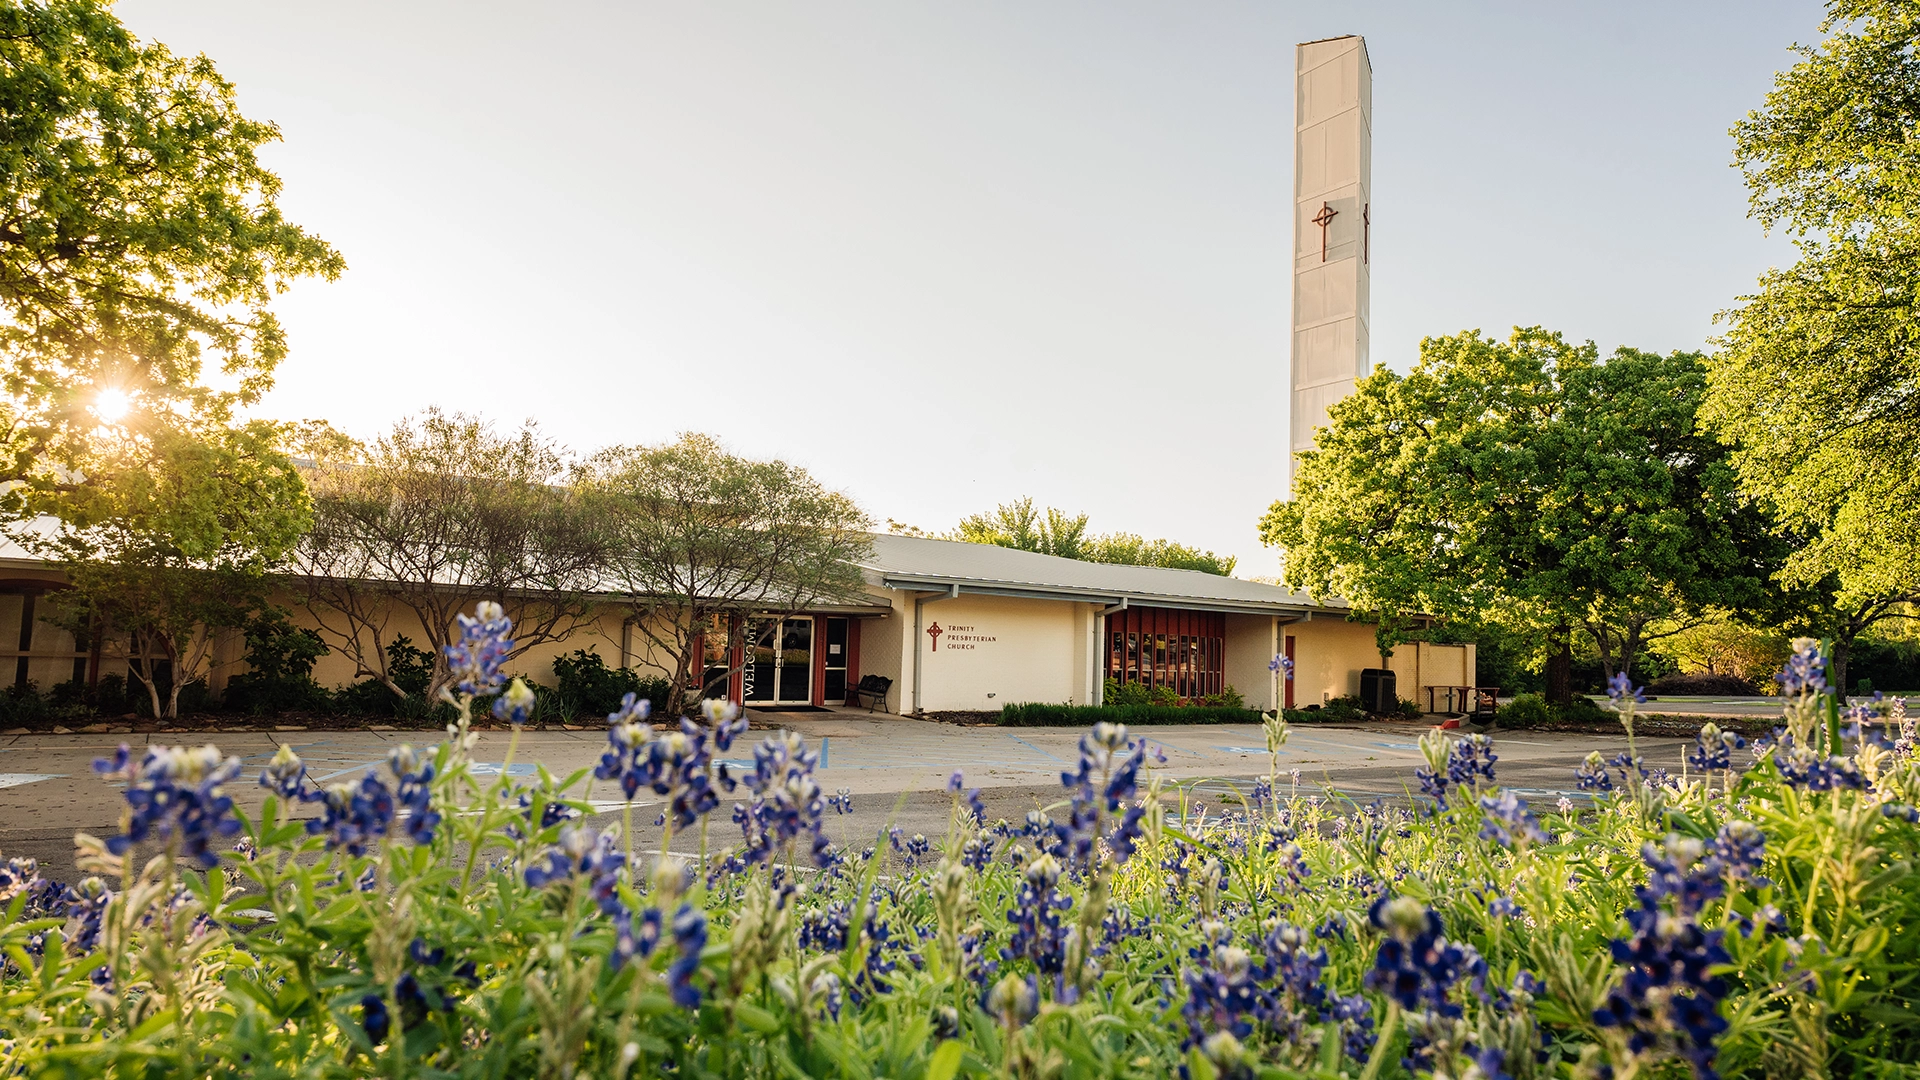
pixel 111 404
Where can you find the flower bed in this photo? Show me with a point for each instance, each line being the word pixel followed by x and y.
pixel 1736 922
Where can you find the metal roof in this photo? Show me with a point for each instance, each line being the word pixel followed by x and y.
pixel 917 563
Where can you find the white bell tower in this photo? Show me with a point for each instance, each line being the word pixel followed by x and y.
pixel 1332 228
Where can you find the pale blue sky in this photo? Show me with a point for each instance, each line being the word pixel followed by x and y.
pixel 946 255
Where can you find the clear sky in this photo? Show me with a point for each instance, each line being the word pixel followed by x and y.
pixel 945 255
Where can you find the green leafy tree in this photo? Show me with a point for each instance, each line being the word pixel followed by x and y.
pixel 439 513
pixel 1020 525
pixel 172 545
pixel 141 241
pixel 1816 381
pixel 1529 485
pixel 691 532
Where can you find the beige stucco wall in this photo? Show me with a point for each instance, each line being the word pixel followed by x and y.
pixel 996 649
pixel 1250 648
pixel 603 631
pixel 1329 654
pixel 883 643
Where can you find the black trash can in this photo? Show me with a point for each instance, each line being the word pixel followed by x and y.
pixel 1378 692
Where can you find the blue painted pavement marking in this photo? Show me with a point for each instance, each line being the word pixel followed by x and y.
pixel 15 779
pixel 823 751
pixel 1034 748
pixel 492 768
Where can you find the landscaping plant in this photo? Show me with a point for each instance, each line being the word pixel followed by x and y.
pixel 1748 913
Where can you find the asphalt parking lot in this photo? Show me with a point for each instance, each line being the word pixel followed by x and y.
pixel 896 768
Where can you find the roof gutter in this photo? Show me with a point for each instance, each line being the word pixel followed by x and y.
pixel 920 601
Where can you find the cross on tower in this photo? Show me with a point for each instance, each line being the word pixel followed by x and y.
pixel 1323 219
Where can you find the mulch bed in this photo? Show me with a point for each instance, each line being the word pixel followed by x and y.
pixel 1682 727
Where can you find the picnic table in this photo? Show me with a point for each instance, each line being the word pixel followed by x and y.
pixel 1472 700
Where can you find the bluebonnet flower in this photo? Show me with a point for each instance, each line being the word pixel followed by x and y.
pixel 1508 819
pixel 841 801
pixel 86 907
pixel 1453 762
pixel 595 857
pixel 1281 663
pixel 1713 748
pixel 1222 994
pixel 284 774
pixel 355 816
pixel 1739 850
pixel 1038 934
pixel 1620 691
pixel 1668 999
pixel 626 758
pixel 175 793
pixel 636 934
pixel 1295 966
pixel 1125 838
pixel 1471 760
pixel 1108 757
pixel 787 807
pixel 827 988
pixel 976 853
pixel 474 661
pixel 1355 1015
pixel 515 705
pixel 374 1018
pixel 553 812
pixel 1800 767
pixel 826 929
pixel 1806 670
pixel 1013 1001
pixel 22 876
pixel 724 722
pixel 689 937
pixel 414 794
pixel 1503 907
pixel 1416 965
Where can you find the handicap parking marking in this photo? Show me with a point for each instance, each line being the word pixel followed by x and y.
pixel 1249 749
pixel 15 779
pixel 1399 745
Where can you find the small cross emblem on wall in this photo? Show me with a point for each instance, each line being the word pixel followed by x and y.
pixel 1323 219
pixel 934 632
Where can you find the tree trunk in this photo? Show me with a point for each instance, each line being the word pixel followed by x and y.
pixel 1560 669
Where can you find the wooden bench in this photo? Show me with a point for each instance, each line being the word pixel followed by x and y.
pixel 872 687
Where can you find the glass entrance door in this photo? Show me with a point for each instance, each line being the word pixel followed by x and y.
pixel 779 661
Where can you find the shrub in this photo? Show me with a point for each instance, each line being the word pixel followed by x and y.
pixel 22 705
pixel 1048 715
pixel 587 687
pixel 1525 711
pixel 411 669
pixel 1702 684
pixel 279 676
pixel 1119 693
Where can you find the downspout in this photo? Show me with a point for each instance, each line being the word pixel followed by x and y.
pixel 919 603
pixel 1097 690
